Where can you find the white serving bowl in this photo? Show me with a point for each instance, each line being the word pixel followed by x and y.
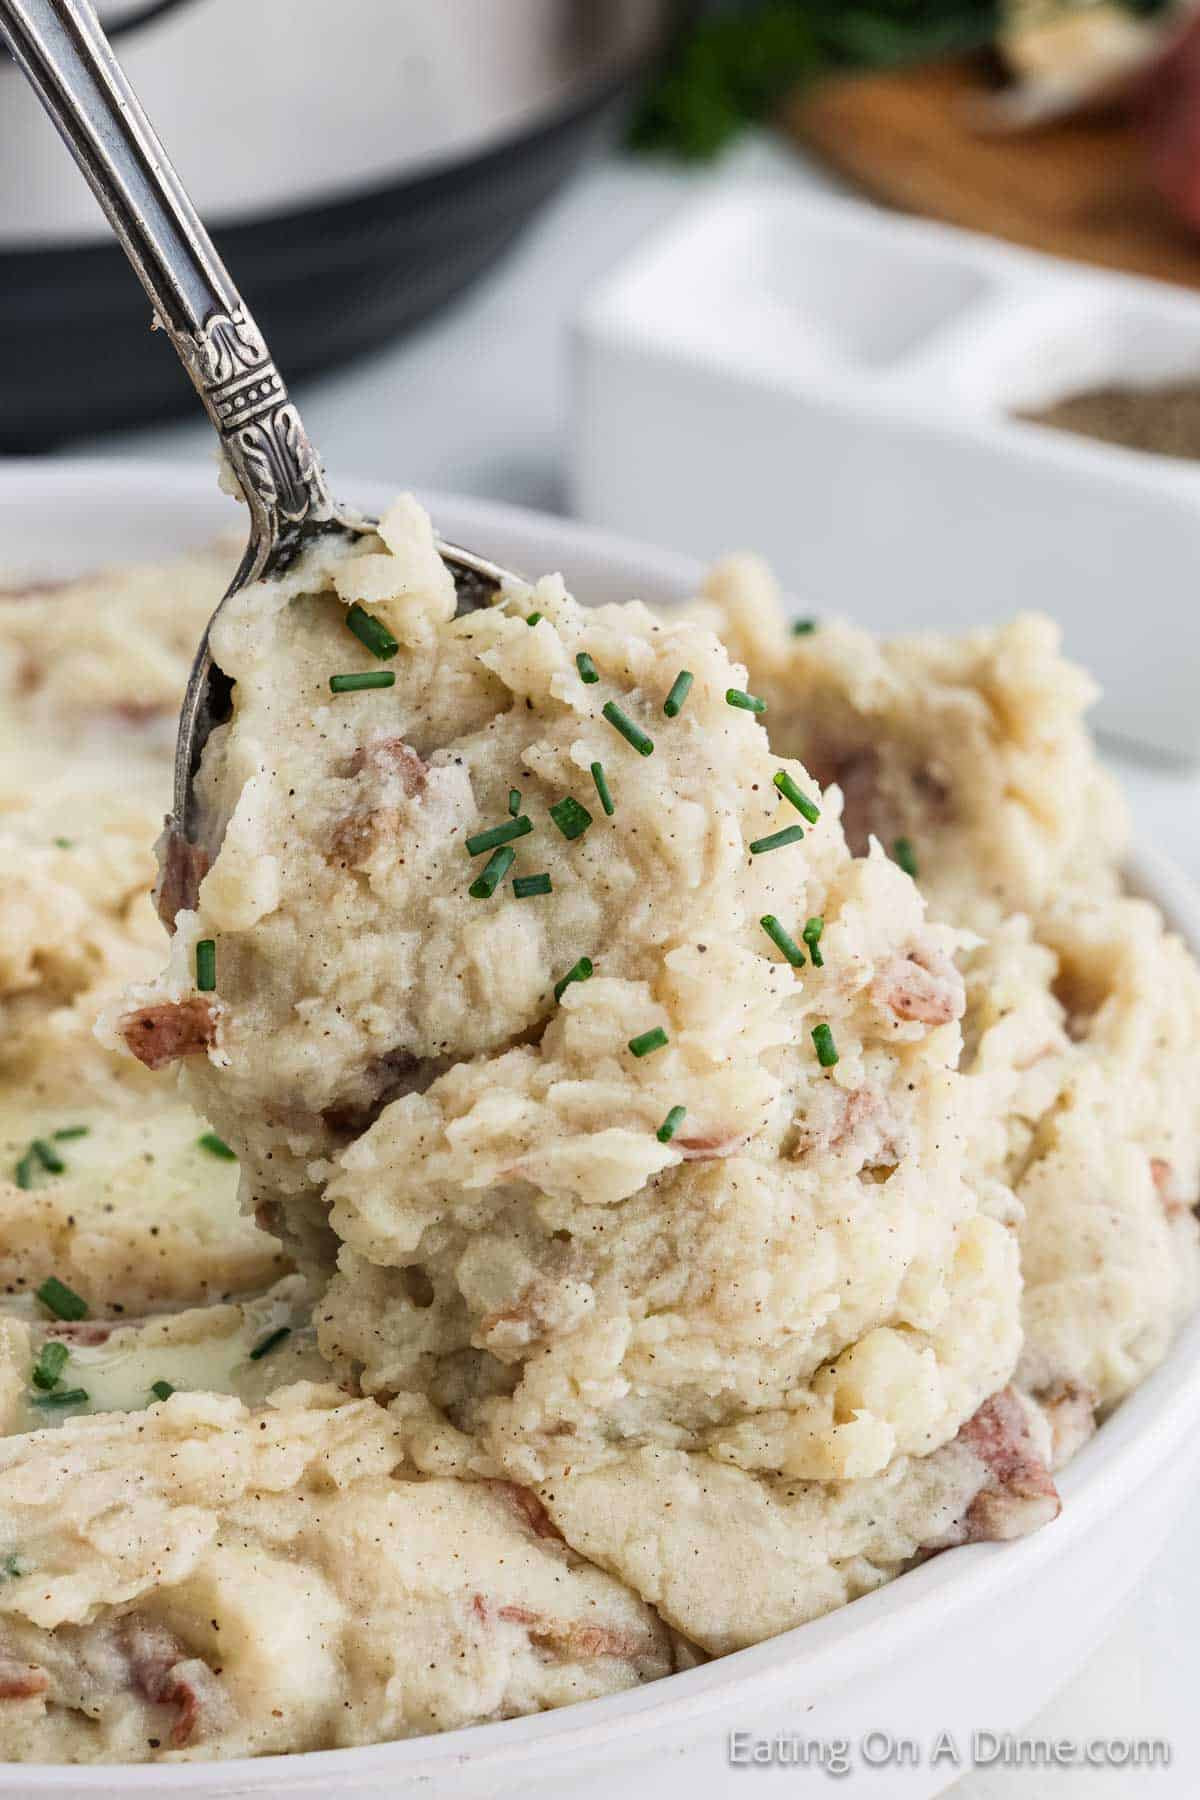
pixel 976 1639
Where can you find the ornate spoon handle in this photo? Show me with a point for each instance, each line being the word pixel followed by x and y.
pixel 64 52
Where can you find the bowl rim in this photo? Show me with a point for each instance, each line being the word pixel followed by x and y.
pixel 844 1645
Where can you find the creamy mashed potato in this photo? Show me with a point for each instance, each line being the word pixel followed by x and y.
pixel 700 1220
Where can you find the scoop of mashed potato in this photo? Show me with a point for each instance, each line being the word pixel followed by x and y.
pixel 714 1199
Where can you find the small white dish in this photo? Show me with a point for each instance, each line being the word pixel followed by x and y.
pixel 976 1639
pixel 834 386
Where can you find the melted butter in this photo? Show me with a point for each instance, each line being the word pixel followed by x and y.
pixel 206 1350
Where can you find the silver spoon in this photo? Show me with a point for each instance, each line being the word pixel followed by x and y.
pixel 70 63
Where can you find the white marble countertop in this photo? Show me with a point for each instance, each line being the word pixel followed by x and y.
pixel 476 402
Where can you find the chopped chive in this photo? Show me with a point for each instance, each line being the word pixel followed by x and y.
pixel 514 802
pixel 649 1041
pixel 791 834
pixel 587 669
pixel 216 1146
pixel 571 818
pixel 906 856
pixel 24 1172
pixel 524 886
pixel 14 1566
pixel 71 1131
pixel 62 843
pixel 499 834
pixel 671 1124
pixel 582 971
pixel 63 1397
pixel 48 1156
pixel 271 1342
pixel 802 627
pixel 533 618
pixel 827 1054
pixel 496 868
pixel 680 688
pixel 372 632
pixel 355 684
pixel 162 1390
pixel 780 938
pixel 601 781
pixel 633 734
pixel 206 965
pixel 747 702
pixel 61 1300
pixel 47 1370
pixel 798 798
pixel 812 938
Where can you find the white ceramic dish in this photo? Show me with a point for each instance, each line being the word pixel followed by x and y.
pixel 835 386
pixel 975 1639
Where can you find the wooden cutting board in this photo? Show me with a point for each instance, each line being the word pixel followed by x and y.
pixel 1077 189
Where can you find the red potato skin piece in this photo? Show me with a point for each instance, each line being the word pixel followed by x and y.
pixel 182 867
pixel 160 1035
pixel 1021 1495
pixel 392 756
pixel 922 987
pixel 22 1681
pixel 527 1508
pixel 156 1664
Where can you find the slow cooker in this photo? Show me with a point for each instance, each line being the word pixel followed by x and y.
pixel 358 161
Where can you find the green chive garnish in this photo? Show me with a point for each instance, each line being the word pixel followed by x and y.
pixel 61 1300
pixel 355 684
pixel 497 867
pixel 582 971
pixel 514 802
pixel 802 627
pixel 64 1397
pixel 791 834
pixel 371 632
pixel 265 1345
pixel 162 1390
pixel 827 1054
pixel 747 702
pixel 780 938
pixel 499 834
pixel 206 965
pixel 14 1566
pixel 47 1370
pixel 587 669
pixel 216 1146
pixel 633 734
pixel 64 843
pixel 40 1155
pixel 680 688
pixel 533 618
pixel 812 938
pixel 71 1131
pixel 671 1124
pixel 905 856
pixel 601 781
pixel 571 818
pixel 798 798
pixel 649 1042
pixel 524 886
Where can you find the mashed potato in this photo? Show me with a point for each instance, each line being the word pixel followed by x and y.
pixel 699 1219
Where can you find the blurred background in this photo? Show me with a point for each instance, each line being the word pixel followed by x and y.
pixel 905 293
